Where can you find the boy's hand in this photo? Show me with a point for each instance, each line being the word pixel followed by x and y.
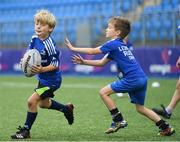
pixel 68 44
pixel 36 69
pixel 77 59
pixel 178 63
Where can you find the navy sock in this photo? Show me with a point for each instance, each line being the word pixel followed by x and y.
pixel 116 115
pixel 57 106
pixel 114 111
pixel 30 118
pixel 162 124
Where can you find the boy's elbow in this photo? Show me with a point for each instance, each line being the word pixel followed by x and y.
pixel 101 64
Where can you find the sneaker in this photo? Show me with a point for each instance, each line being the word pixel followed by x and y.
pixel 167 132
pixel 162 112
pixel 69 114
pixel 115 126
pixel 22 133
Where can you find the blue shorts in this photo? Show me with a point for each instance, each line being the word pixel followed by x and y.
pixel 45 91
pixel 135 87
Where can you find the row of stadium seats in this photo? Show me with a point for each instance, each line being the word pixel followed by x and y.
pixel 17 15
pixel 16 18
pixel 25 10
pixel 166 5
pixel 159 26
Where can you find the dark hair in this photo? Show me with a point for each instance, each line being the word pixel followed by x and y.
pixel 121 24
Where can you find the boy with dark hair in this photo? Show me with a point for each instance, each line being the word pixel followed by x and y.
pixel 48 74
pixel 134 80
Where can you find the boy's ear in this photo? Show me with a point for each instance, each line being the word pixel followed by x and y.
pixel 118 32
pixel 51 29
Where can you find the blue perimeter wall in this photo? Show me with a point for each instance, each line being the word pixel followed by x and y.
pixel 156 62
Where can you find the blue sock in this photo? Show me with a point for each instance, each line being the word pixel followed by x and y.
pixel 31 117
pixel 57 106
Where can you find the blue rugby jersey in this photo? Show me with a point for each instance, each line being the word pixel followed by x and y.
pixel 50 56
pixel 118 51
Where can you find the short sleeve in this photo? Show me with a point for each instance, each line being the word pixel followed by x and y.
pixel 53 53
pixel 31 44
pixel 54 60
pixel 107 47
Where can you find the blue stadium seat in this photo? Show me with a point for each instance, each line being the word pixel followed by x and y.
pixel 127 5
pixel 17 11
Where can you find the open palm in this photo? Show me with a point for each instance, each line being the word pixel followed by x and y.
pixel 68 44
pixel 77 59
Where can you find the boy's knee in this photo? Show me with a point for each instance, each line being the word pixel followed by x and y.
pixel 140 109
pixel 102 93
pixel 106 91
pixel 31 103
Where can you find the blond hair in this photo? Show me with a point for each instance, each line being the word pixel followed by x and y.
pixel 45 17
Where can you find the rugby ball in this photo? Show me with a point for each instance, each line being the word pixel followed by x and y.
pixel 30 58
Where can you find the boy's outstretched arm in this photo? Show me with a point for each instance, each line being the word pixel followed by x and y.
pixel 81 49
pixel 79 60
